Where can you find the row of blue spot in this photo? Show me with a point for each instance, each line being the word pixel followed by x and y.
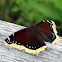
pixel 51 24
pixel 53 35
pixel 32 46
pixel 52 29
pixel 10 42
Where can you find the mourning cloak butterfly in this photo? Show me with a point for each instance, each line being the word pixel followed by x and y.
pixel 33 39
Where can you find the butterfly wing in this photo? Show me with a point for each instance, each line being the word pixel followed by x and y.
pixel 27 40
pixel 48 28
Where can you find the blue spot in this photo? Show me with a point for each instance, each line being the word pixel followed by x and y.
pixel 15 41
pixel 8 41
pixel 51 28
pixel 32 47
pixel 29 46
pixel 53 35
pixel 50 25
pixel 38 45
pixel 12 41
pixel 19 43
pixel 35 46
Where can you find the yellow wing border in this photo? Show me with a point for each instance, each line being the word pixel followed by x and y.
pixel 20 47
pixel 55 31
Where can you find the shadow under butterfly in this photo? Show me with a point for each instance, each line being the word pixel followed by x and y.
pixel 32 39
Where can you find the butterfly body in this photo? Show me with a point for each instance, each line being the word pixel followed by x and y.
pixel 33 39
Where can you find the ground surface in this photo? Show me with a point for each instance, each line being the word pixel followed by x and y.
pixel 53 53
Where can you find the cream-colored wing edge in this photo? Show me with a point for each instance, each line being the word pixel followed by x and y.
pixel 55 32
pixel 23 47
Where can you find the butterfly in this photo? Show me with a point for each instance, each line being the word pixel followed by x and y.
pixel 32 39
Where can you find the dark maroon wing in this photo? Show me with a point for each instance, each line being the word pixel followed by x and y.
pixel 46 28
pixel 26 38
